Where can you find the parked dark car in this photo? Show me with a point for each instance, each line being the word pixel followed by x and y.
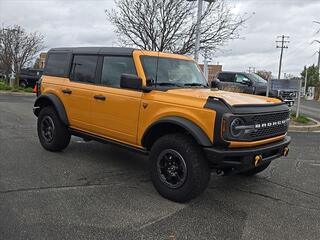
pixel 29 76
pixel 247 83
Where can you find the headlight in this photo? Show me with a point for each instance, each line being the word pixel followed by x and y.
pixel 236 127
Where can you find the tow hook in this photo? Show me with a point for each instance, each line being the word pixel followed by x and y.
pixel 257 160
pixel 285 151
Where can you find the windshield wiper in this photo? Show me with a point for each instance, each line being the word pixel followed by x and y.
pixel 167 84
pixel 195 84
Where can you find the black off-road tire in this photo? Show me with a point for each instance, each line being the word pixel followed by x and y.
pixel 197 170
pixel 256 170
pixel 60 134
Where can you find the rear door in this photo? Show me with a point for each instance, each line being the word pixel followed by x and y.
pixel 77 92
pixel 116 110
pixel 226 80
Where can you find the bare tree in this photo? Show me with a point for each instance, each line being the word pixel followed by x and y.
pixel 169 25
pixel 318 31
pixel 267 75
pixel 17 47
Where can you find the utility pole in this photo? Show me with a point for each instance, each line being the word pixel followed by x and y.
pixel 282 46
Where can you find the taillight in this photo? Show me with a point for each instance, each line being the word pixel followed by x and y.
pixel 35 89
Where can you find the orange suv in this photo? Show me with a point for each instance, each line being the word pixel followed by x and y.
pixel 160 104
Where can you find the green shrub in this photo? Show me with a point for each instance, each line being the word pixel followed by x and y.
pixel 29 90
pixel 4 87
pixel 301 119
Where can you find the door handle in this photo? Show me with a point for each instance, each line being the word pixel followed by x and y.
pixel 67 91
pixel 99 97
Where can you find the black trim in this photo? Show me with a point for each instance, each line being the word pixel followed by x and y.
pixel 259 108
pixel 241 158
pixel 195 131
pixel 56 102
pixel 220 106
pixel 97 138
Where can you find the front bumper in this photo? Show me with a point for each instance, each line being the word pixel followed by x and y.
pixel 241 159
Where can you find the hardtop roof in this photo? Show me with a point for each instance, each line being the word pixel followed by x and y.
pixel 95 50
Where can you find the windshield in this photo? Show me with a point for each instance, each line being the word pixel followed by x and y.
pixel 173 72
pixel 257 78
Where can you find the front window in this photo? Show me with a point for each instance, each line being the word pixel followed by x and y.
pixel 172 72
pixel 257 78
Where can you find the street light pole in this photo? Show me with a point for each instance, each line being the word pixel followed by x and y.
pixel 305 82
pixel 198 29
pixel 12 74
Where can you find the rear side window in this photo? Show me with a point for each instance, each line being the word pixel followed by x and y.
pixel 113 67
pixel 83 68
pixel 57 64
pixel 226 77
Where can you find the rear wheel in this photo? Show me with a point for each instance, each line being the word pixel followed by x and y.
pixel 53 134
pixel 256 170
pixel 179 170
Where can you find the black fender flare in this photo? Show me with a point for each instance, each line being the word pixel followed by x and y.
pixel 51 99
pixel 193 129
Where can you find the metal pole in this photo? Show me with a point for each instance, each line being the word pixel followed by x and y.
pixel 205 69
pixel 319 64
pixel 198 29
pixel 280 63
pixel 299 96
pixel 268 87
pixel 305 82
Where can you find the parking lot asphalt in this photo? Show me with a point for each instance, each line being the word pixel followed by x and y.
pixel 96 191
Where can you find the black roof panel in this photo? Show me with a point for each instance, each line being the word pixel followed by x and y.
pixel 95 50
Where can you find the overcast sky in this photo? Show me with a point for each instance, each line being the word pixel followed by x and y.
pixel 84 23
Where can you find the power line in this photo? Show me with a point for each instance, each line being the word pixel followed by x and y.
pixel 281 44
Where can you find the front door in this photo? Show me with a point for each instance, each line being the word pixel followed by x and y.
pixel 243 83
pixel 116 110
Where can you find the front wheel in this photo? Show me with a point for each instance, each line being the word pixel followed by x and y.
pixel 53 134
pixel 179 170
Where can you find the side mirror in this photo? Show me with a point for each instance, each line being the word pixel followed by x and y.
pixel 246 81
pixel 130 81
pixel 214 83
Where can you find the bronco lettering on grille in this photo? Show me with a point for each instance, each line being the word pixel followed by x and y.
pixel 269 124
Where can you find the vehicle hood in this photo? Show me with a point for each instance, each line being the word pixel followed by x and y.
pixel 232 98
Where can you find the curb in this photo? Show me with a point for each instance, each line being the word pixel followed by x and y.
pixel 306 128
pixel 16 93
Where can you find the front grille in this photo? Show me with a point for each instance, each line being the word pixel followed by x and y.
pixel 286 95
pixel 265 129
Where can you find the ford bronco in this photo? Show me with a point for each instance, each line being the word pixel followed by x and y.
pixel 160 104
